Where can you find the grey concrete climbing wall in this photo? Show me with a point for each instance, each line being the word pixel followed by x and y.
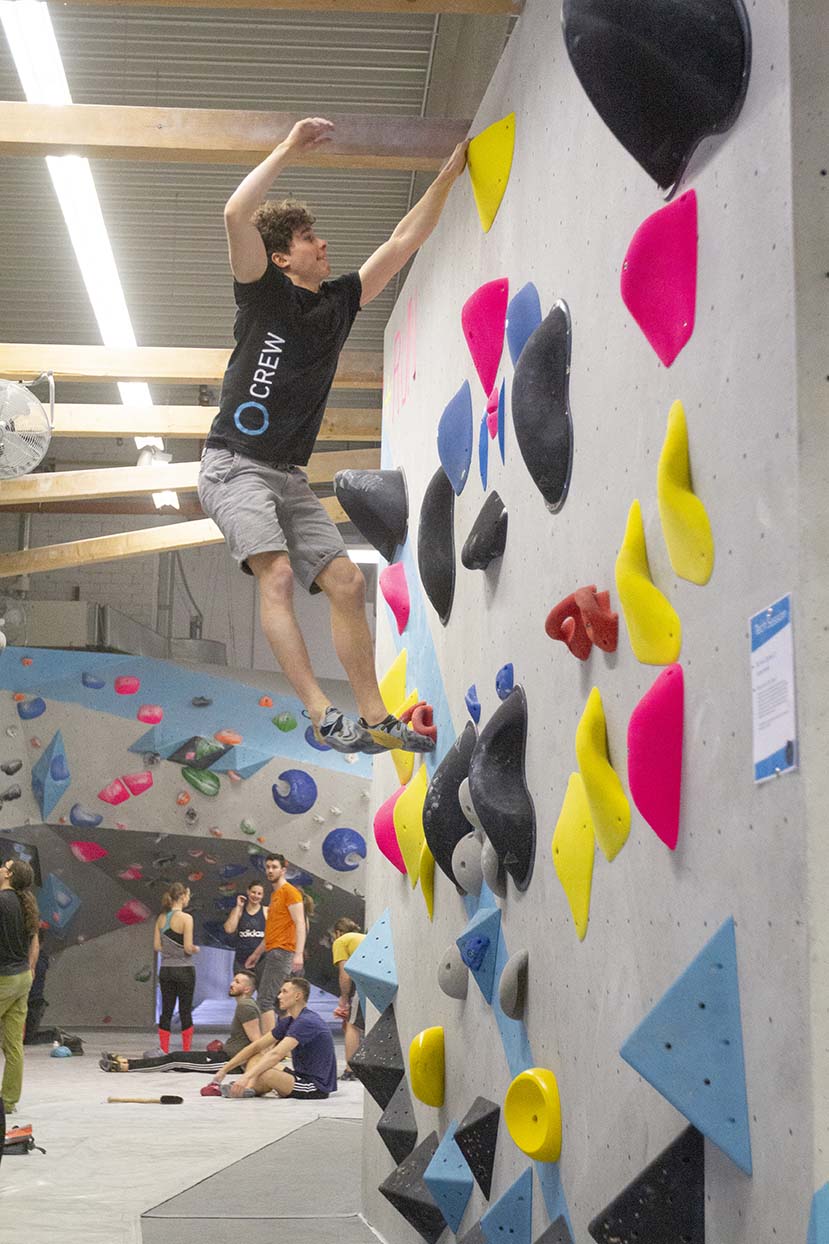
pixel 750 389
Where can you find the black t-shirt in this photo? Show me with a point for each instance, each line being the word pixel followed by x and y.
pixel 14 944
pixel 249 933
pixel 288 342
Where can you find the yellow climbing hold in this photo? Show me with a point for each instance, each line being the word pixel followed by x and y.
pixel 393 682
pixel 404 761
pixel 609 807
pixel 532 1112
pixel 489 160
pixel 653 624
pixel 685 523
pixel 408 823
pixel 427 878
pixel 427 1066
pixel 574 845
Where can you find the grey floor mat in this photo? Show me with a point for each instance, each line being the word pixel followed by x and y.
pixel 258 1231
pixel 313 1170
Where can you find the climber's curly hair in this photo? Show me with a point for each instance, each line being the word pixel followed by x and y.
pixel 278 221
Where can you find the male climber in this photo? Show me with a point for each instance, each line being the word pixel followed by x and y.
pixel 291 324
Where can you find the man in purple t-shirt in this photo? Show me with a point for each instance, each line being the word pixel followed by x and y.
pixel 298 1032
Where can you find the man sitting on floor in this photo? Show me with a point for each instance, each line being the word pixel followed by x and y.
pixel 243 1030
pixel 298 1032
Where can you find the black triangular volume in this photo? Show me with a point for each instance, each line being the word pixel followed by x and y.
pixel 475 1236
pixel 436 544
pixel 476 1137
pixel 541 407
pixel 665 1204
pixel 498 786
pixel 377 504
pixel 397 1126
pixel 557 1233
pixel 444 824
pixel 378 1063
pixel 488 537
pixel 407 1192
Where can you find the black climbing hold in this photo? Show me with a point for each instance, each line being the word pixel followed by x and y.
pixel 662 74
pixel 201 701
pixel 666 1201
pixel 407 1192
pixel 11 793
pixel 377 504
pixel 397 1125
pixel 488 537
pixel 198 752
pixel 378 1063
pixel 436 544
pixel 499 787
pixel 11 767
pixel 444 823
pixel 476 1137
pixel 541 406
pixel 557 1233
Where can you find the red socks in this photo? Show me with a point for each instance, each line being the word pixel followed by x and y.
pixel 186 1038
pixel 164 1040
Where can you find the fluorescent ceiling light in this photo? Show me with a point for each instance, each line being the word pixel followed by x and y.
pixel 365 557
pixel 33 45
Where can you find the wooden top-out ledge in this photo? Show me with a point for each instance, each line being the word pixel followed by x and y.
pixel 222 136
pixel 88 419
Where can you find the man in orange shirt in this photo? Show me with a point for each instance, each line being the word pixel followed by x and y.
pixel 283 946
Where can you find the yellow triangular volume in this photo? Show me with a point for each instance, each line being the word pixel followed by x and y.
pixel 653 623
pixel 609 807
pixel 408 823
pixel 574 846
pixel 393 682
pixel 427 879
pixel 489 160
pixel 685 523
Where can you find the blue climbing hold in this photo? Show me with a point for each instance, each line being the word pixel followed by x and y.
pixel 523 318
pixel 483 451
pixel 312 741
pixel 81 818
pixel 298 877
pixel 819 1217
pixel 505 680
pixel 59 769
pixel 50 776
pixel 372 966
pixel 473 951
pixel 512 1214
pixel 27 710
pixel 229 871
pixel 93 681
pixel 343 849
pixel 294 791
pixel 473 704
pixel 449 1179
pixel 482 931
pixel 502 420
pixel 60 1051
pixel 455 438
pixel 225 902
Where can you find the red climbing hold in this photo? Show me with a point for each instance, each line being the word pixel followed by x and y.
pixel 565 623
pixel 115 793
pixel 137 783
pixel 420 717
pixel 127 684
pixel 600 622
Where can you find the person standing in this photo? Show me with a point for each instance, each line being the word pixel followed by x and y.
pixel 247 923
pixel 19 948
pixel 347 937
pixel 173 940
pixel 283 947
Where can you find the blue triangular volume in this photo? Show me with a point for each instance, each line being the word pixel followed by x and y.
pixel 502 420
pixel 523 318
pixel 484 927
pixel 372 965
pixel 819 1217
pixel 483 450
pixel 242 760
pixel 157 740
pixel 50 776
pixel 511 1217
pixel 449 1179
pixel 455 438
pixel 690 1048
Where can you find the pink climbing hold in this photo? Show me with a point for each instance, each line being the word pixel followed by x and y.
pixel 492 404
pixel 133 873
pixel 115 793
pixel 395 591
pixel 484 321
pixel 127 684
pixel 659 276
pixel 133 912
pixel 384 832
pixel 137 783
pixel 152 714
pixel 655 754
pixel 86 852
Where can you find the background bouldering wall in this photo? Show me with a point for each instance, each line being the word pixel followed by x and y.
pixel 116 775
pixel 574 201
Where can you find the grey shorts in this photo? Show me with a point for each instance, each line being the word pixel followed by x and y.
pixel 263 509
pixel 276 970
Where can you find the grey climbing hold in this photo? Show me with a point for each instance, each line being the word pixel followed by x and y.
pixel 557 1233
pixel 512 988
pixel 493 870
pixel 453 974
pixel 443 821
pixel 468 807
pixel 466 864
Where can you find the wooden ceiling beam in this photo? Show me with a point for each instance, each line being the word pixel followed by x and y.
pixel 79 420
pixel 357 369
pixel 476 7
pixel 222 136
pixel 45 486
pixel 189 507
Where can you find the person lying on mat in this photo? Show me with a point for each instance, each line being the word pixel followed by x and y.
pixel 243 1030
pixel 299 1032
